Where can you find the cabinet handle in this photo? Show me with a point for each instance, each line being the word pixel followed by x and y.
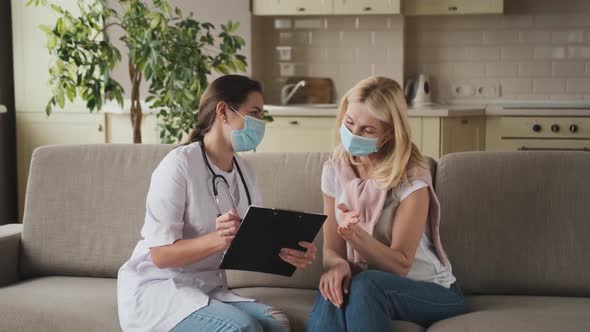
pixel 464 121
pixel 294 122
pixel 367 9
pixel 453 8
pixel 525 148
pixel 100 127
pixel 300 9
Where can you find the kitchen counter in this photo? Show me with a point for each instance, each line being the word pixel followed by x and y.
pixel 331 110
pixel 545 111
pixel 515 109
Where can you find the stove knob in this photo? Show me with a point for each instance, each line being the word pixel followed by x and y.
pixel 574 128
pixel 537 128
pixel 555 128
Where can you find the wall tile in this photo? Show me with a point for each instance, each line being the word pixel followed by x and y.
pixel 535 69
pixel 517 53
pixel 578 85
pixel 549 85
pixel 515 85
pixel 567 36
pixel 550 52
pixel 501 69
pixel 568 69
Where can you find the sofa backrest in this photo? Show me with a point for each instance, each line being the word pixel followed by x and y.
pixel 85 206
pixel 288 181
pixel 517 222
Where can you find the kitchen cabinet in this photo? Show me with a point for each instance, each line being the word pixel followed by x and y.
pixel 529 133
pixel 452 7
pixel 299 134
pixel 438 136
pixel 366 7
pixel 434 136
pixel 292 7
pixel 35 129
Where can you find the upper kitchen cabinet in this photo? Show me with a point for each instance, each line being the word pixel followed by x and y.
pixel 452 7
pixel 366 7
pixel 292 7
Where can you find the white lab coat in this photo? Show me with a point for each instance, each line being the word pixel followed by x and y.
pixel 179 205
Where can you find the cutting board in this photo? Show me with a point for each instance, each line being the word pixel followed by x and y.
pixel 317 90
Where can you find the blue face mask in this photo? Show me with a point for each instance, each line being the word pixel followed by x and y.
pixel 250 136
pixel 357 145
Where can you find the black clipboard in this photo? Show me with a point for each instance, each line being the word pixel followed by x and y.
pixel 263 233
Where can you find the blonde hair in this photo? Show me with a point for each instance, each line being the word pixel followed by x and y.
pixel 385 101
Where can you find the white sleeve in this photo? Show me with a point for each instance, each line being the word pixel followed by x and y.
pixel 165 203
pixel 408 190
pixel 328 179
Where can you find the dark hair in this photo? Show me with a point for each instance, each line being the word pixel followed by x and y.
pixel 233 89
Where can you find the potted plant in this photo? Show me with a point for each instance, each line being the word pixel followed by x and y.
pixel 172 52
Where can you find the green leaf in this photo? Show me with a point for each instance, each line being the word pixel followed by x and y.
pixel 60 26
pixel 56 9
pixel 49 107
pixel 46 28
pixel 71 93
pixel 154 22
pixel 61 100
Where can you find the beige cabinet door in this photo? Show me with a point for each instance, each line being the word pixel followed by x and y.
pixel 462 134
pixel 300 134
pixel 366 7
pixel 437 136
pixel 292 7
pixel 452 7
pixel 35 129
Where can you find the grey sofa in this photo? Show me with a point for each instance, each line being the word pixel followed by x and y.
pixel 516 227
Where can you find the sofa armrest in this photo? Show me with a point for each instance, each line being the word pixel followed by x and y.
pixel 10 239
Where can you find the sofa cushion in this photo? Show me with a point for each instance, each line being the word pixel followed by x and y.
pixel 60 304
pixel 520 314
pixel 297 304
pixel 516 223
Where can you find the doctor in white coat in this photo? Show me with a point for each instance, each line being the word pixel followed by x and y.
pixel 197 194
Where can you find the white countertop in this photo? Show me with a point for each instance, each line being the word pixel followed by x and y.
pixel 494 110
pixel 331 110
pixel 507 108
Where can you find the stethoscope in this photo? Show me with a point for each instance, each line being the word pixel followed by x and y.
pixel 217 178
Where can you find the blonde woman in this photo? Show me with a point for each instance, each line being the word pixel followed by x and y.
pixel 382 252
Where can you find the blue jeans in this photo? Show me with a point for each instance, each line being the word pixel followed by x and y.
pixel 376 298
pixel 234 317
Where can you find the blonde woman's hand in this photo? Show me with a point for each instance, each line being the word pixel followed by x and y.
pixel 335 283
pixel 348 224
pixel 298 258
pixel 226 227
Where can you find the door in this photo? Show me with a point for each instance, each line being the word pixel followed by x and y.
pixel 292 7
pixel 366 7
pixel 300 134
pixel 452 7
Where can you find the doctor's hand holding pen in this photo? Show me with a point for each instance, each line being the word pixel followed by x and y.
pixel 226 227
